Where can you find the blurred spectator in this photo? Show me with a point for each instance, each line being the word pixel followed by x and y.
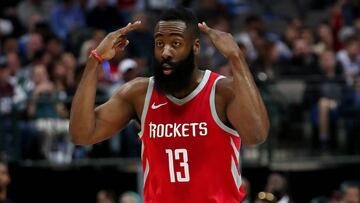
pixel 31 44
pixel 27 10
pixel 4 182
pixel 127 70
pixel 69 62
pixel 53 46
pixel 13 63
pixel 323 94
pixel 350 109
pixel 44 102
pixel 303 62
pixel 25 74
pixel 325 39
pixel 141 46
pixel 275 191
pixel 12 98
pixel 211 58
pixel 350 11
pixel 356 26
pixel 104 16
pixel 266 67
pixel 350 193
pixel 251 37
pixel 105 196
pixel 129 197
pixel 67 17
pixel 9 44
pixel 58 76
pixel 292 32
pixel 90 44
pixel 349 57
pixel 307 34
pixel 48 111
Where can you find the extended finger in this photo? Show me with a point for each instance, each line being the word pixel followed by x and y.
pixel 204 28
pixel 128 28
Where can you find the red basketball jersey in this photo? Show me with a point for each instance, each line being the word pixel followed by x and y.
pixel 188 154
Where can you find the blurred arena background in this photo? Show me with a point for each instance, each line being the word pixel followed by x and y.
pixel 304 56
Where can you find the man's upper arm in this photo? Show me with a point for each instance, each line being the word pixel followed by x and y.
pixel 114 115
pixel 239 111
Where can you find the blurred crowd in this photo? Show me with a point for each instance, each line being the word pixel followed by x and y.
pixel 304 56
pixel 109 196
pixel 278 190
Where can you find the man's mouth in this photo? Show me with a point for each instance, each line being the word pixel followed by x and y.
pixel 167 69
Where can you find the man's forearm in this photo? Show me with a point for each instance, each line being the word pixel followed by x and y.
pixel 82 116
pixel 246 92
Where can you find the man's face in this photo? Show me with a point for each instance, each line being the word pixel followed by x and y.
pixel 174 60
pixel 4 177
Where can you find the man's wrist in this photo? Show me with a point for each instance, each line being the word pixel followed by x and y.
pixel 96 56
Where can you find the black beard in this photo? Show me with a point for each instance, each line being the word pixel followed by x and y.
pixel 179 78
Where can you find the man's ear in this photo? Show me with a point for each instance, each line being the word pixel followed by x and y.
pixel 196 46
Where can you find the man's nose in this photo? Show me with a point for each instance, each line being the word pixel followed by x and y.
pixel 166 53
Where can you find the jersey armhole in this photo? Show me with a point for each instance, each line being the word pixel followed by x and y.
pixel 214 113
pixel 146 105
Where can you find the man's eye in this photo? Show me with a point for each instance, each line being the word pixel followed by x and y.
pixel 176 44
pixel 159 44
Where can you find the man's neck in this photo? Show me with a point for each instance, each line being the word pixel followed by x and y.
pixel 196 78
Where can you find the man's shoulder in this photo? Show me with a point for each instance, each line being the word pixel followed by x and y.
pixel 139 82
pixel 223 86
pixel 134 88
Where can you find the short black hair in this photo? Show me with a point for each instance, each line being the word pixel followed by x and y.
pixel 185 15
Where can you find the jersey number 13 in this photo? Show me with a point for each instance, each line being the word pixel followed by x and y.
pixel 181 176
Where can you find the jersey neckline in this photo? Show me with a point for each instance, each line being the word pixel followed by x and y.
pixel 195 92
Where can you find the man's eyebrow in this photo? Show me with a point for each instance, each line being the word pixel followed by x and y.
pixel 158 35
pixel 171 34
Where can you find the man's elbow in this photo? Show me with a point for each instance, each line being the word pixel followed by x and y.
pixel 78 138
pixel 258 136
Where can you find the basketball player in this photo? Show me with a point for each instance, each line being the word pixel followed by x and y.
pixel 192 121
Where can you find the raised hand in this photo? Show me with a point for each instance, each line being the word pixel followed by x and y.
pixel 223 41
pixel 115 41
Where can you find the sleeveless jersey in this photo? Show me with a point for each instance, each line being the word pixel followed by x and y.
pixel 188 154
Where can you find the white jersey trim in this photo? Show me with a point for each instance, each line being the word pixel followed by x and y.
pixel 235 173
pixel 142 149
pixel 236 150
pixel 213 110
pixel 146 173
pixel 195 92
pixel 146 105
